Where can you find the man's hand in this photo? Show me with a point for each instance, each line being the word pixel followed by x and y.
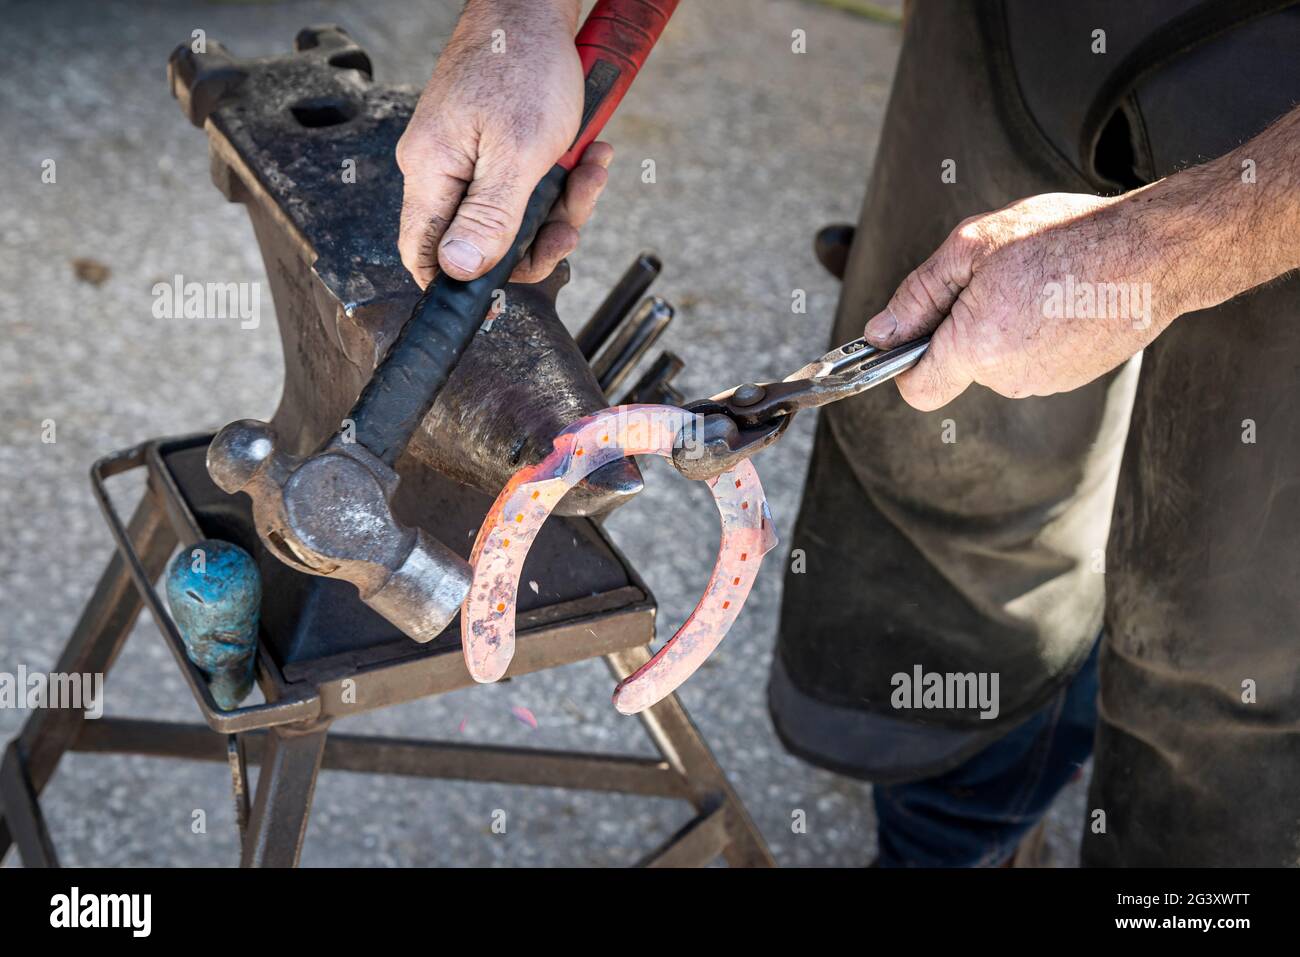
pixel 1049 293
pixel 996 290
pixel 503 104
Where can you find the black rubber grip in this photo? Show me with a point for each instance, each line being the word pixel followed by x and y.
pixel 442 325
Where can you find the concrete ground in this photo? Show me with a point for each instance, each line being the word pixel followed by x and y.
pixel 755 148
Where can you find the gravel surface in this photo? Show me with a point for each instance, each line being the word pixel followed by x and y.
pixel 755 147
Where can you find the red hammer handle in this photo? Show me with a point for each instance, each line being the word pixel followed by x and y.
pixel 613 45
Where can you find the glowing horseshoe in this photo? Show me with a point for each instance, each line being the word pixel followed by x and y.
pixel 487 619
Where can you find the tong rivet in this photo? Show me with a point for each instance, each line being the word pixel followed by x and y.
pixel 748 394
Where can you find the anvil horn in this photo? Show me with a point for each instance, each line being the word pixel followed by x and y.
pixel 521 383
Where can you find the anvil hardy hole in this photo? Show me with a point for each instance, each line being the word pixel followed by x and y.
pixel 351 60
pixel 319 112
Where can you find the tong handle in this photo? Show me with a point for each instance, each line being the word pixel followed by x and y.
pixel 851 369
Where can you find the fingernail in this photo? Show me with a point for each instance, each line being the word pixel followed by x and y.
pixel 464 256
pixel 882 325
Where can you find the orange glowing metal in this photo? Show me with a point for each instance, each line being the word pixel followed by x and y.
pixel 488 615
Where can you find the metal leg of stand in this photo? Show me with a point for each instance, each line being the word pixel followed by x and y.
pixel 722 825
pixel 237 759
pixel 24 815
pixel 92 649
pixel 285 785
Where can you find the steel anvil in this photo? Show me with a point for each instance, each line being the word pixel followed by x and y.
pixel 306 142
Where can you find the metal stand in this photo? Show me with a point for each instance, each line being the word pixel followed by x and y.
pixel 281 130
pixel 289 735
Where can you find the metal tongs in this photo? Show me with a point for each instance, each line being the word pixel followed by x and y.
pixel 733 425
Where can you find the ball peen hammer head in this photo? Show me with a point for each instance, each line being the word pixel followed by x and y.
pixel 329 514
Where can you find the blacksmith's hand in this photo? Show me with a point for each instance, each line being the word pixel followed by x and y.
pixel 503 104
pixel 1048 293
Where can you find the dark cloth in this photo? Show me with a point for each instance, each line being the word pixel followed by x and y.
pixel 977 814
pixel 983 554
pixel 1203 573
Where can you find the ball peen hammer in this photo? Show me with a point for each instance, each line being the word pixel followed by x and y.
pixel 330 513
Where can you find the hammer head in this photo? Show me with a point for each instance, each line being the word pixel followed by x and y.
pixel 328 514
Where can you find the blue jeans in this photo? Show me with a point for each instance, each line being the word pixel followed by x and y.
pixel 976 814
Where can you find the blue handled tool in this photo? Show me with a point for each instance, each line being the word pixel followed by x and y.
pixel 214 591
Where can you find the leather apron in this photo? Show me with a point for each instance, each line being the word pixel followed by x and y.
pixel 971 539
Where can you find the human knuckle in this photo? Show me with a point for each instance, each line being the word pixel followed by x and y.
pixel 591 178
pixel 416 221
pixel 411 150
pixel 916 292
pixel 908 298
pixel 402 153
pixel 1012 387
pixel 939 281
pixel 435 147
pixel 965 338
pixel 969 231
pixel 484 216
pixel 973 239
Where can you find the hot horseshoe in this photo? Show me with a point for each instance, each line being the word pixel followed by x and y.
pixel 511 525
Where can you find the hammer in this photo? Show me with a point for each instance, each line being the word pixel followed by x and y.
pixel 330 513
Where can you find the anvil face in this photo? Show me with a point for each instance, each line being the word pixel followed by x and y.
pixel 306 141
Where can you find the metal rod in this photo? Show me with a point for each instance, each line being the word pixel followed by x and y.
pixel 617 360
pixel 697 843
pixel 627 292
pixel 277 824
pixel 408 757
pixel 23 812
pixel 237 757
pixel 655 385
pixel 678 740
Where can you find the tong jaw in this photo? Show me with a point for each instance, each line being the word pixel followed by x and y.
pixel 713 442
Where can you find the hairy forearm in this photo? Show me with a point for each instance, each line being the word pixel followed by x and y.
pixel 1047 294
pixel 479 13
pixel 520 31
pixel 1230 224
